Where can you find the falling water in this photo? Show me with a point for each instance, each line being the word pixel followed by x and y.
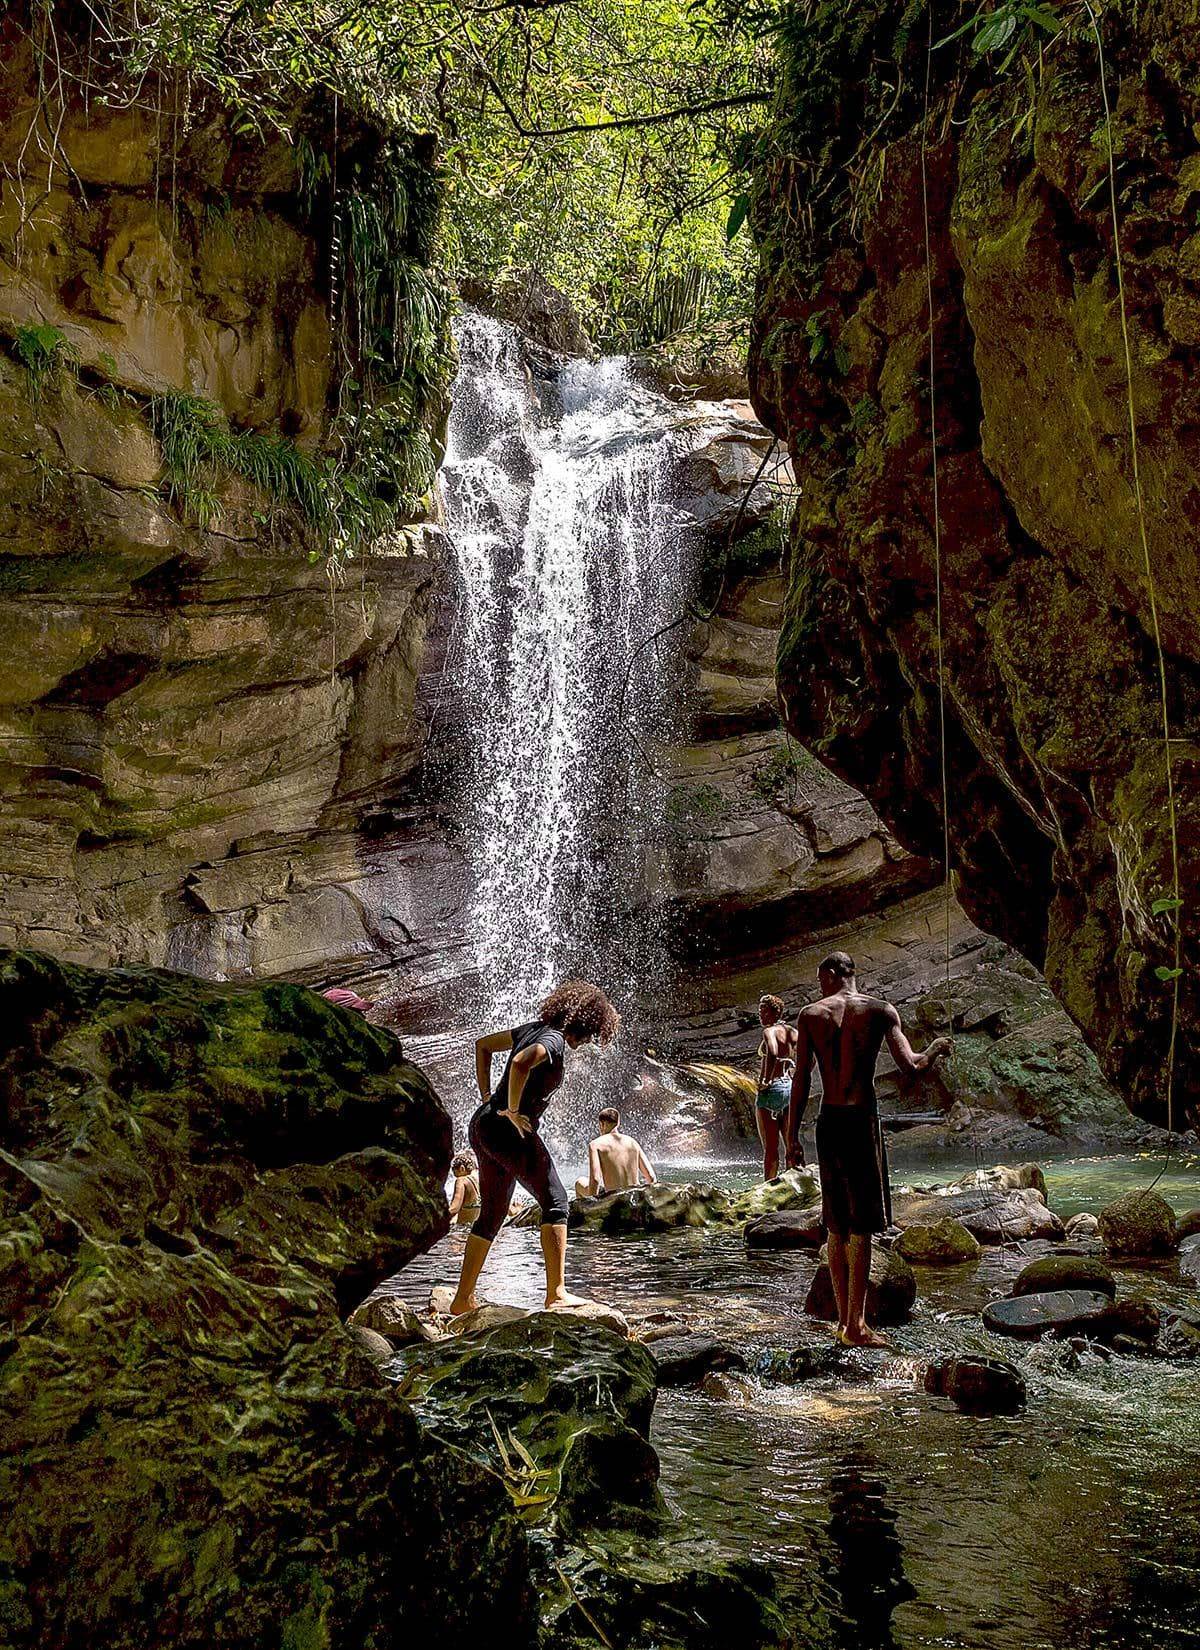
pixel 569 555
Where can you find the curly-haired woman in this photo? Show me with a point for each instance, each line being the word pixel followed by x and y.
pixel 504 1131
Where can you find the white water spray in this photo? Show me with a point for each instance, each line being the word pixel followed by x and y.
pixel 569 553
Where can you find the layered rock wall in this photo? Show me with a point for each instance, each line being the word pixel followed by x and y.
pixel 1059 821
pixel 199 704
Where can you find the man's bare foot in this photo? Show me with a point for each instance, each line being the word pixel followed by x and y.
pixel 860 1334
pixel 459 1308
pixel 563 1302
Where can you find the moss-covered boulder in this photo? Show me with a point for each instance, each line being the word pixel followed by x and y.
pixel 1139 1225
pixel 560 1409
pixel 193 1449
pixel 664 1206
pixel 946 1242
pixel 1053 1272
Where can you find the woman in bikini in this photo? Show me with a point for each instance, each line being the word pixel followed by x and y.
pixel 464 1202
pixel 776 1054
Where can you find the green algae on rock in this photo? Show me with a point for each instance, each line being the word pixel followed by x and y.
pixel 192 1176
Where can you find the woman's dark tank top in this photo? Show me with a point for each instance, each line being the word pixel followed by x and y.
pixel 543 1079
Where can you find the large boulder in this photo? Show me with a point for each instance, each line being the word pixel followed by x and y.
pixel 891 1290
pixel 664 1206
pixel 1139 1225
pixel 561 1409
pixel 1055 1272
pixel 946 1243
pixel 989 1213
pixel 194 1177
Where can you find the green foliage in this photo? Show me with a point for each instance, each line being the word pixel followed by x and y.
pixel 779 778
pixel 46 354
pixel 692 806
pixel 600 142
pixel 348 501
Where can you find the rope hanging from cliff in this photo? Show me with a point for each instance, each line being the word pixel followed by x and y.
pixel 1175 906
pixel 937 531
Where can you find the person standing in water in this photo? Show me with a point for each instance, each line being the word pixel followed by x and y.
pixel 504 1130
pixel 464 1203
pixel 844 1032
pixel 775 1052
pixel 615 1160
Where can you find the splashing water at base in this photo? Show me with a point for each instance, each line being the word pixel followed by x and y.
pixel 569 553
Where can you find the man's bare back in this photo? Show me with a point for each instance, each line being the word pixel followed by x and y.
pixel 846 1033
pixel 615 1161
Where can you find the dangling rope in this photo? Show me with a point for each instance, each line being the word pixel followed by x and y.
pixel 1176 905
pixel 937 531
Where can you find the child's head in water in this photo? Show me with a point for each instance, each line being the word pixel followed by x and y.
pixel 463 1164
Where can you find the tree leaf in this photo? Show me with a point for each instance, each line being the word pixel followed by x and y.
pixel 737 216
pixel 1043 17
pixel 1166 904
pixel 1162 972
pixel 994 33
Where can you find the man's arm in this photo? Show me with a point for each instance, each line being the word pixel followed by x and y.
pixel 801 1088
pixel 910 1064
pixel 644 1168
pixel 595 1175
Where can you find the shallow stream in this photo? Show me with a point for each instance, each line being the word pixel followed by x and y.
pixel 890 1518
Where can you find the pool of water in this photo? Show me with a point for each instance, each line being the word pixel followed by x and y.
pixel 889 1518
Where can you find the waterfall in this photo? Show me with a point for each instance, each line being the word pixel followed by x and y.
pixel 568 553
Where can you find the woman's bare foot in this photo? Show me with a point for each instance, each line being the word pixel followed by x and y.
pixel 562 1302
pixel 860 1334
pixel 459 1308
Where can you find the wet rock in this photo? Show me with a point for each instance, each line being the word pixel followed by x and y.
pixel 662 1207
pixel 491 1315
pixel 946 1243
pixel 1180 1336
pixel 1139 1225
pixel 1058 1272
pixel 794 1189
pixel 1030 1316
pixel 597 1312
pixel 787 1229
pixel 989 1214
pixel 1082 1226
pixel 575 1396
pixel 197 1176
pixel 1135 1320
pixel 682 1360
pixel 891 1291
pixel 658 1208
pixel 394 1319
pixel 811 1360
pixel 1189 1265
pixel 375 1346
pixel 982 1386
pixel 1007 1178
pixel 1012 1217
pixel 1188 1225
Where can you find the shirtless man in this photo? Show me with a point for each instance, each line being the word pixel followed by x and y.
pixel 845 1031
pixel 778 1047
pixel 615 1160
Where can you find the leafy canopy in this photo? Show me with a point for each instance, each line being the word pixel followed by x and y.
pixel 602 142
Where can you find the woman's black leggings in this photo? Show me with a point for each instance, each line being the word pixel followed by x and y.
pixel 506 1158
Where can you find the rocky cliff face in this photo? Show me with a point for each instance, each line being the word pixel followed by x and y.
pixel 203 693
pixel 1058 816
